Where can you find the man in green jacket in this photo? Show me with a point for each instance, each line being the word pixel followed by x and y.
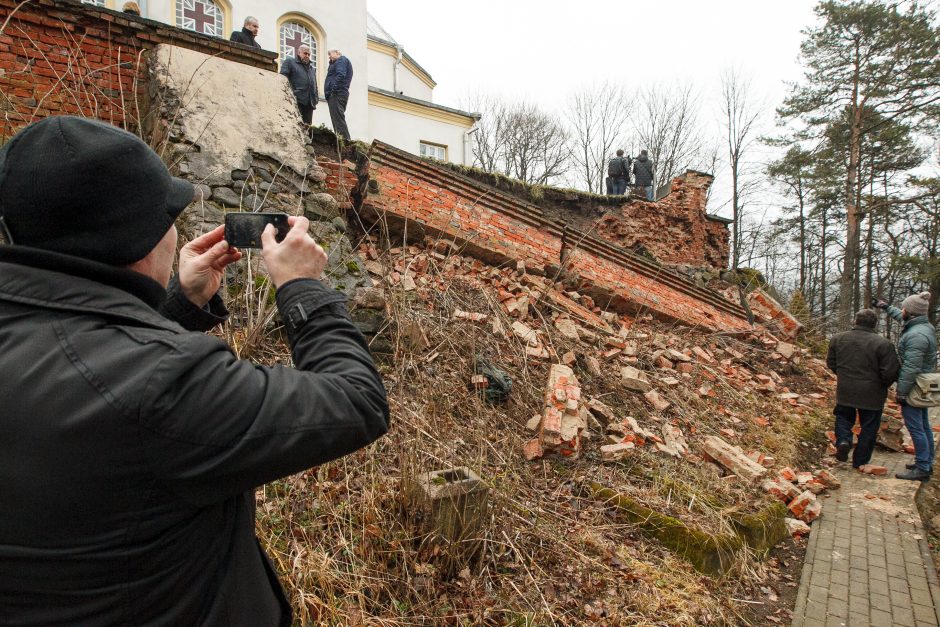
pixel 917 349
pixel 866 366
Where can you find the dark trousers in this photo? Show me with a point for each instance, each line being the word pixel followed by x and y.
pixel 870 420
pixel 337 103
pixel 306 113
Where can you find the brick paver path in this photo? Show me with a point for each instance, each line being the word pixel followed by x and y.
pixel 867 562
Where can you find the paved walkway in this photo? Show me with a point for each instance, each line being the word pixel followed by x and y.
pixel 868 562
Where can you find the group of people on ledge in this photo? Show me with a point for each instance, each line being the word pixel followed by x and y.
pixel 620 168
pixel 302 75
pixel 866 365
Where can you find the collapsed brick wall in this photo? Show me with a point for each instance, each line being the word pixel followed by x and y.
pixel 434 201
pixel 675 230
pixel 63 57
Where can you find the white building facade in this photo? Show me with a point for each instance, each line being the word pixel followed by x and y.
pixel 391 96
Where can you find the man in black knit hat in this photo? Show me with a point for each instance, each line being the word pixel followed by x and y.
pixel 132 444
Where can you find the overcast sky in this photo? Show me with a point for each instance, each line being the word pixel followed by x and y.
pixel 548 49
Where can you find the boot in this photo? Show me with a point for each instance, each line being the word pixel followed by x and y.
pixel 914 475
pixel 913 466
pixel 842 450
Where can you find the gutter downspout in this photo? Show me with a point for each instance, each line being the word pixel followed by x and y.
pixel 398 60
pixel 467 152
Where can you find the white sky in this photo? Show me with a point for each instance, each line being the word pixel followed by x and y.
pixel 546 50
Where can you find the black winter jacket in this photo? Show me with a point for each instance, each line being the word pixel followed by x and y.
pixel 866 366
pixel 338 78
pixel 131 447
pixel 244 36
pixel 642 171
pixel 303 81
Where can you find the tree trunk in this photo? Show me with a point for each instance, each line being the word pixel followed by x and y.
pixel 849 280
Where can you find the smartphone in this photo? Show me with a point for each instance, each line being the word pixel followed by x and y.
pixel 243 230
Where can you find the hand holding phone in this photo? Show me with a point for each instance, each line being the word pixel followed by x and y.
pixel 243 230
pixel 297 256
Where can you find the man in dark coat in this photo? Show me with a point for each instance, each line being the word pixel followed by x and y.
pixel 917 349
pixel 132 445
pixel 643 174
pixel 618 171
pixel 866 366
pixel 248 33
pixel 302 77
pixel 336 91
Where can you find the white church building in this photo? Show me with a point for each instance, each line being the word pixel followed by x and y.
pixel 391 97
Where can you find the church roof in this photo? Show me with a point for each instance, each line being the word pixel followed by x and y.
pixel 374 29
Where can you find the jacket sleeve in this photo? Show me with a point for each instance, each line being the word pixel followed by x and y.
pixel 831 355
pixel 285 68
pixel 888 364
pixel 180 310
pixel 214 426
pixel 894 312
pixel 342 73
pixel 912 362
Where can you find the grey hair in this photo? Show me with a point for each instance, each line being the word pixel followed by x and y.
pixel 249 20
pixel 866 318
pixel 334 50
pixel 302 47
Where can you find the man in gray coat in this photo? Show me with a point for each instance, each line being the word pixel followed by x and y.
pixel 866 365
pixel 917 349
pixel 302 77
pixel 644 174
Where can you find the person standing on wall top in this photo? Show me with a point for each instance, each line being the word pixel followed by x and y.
pixel 644 173
pixel 917 349
pixel 618 171
pixel 302 77
pixel 132 442
pixel 248 33
pixel 866 366
pixel 336 91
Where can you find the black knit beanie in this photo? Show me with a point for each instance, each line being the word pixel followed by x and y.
pixel 88 189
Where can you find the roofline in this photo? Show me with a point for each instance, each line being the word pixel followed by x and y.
pixel 425 103
pixel 404 54
pixel 710 216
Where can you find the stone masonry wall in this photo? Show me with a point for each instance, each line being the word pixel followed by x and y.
pixel 434 201
pixel 64 57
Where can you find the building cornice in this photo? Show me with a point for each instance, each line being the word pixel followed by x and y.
pixel 421 108
pixel 389 48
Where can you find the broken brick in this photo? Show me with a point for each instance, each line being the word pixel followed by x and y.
pixel 658 402
pixel 828 479
pixel 634 379
pixel 873 469
pixel 796 528
pixel 803 507
pixel 615 452
pixel 732 458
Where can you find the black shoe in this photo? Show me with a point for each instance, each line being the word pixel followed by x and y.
pixel 914 475
pixel 913 466
pixel 842 451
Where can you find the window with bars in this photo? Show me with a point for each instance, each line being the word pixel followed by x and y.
pixel 292 36
pixel 434 151
pixel 97 3
pixel 202 16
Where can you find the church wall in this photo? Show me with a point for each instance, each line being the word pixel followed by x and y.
pixel 382 75
pixel 343 23
pixel 407 131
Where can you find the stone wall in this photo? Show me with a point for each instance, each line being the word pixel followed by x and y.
pixel 407 193
pixel 64 57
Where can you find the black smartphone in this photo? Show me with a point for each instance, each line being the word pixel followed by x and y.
pixel 243 230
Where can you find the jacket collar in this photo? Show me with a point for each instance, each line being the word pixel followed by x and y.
pixel 861 328
pixel 913 322
pixel 56 281
pixel 247 32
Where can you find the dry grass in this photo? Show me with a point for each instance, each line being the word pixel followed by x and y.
pixel 353 553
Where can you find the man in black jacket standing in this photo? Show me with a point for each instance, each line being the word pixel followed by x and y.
pixel 302 77
pixel 866 366
pixel 644 174
pixel 336 91
pixel 248 33
pixel 132 444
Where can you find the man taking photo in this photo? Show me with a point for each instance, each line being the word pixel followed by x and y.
pixel 132 444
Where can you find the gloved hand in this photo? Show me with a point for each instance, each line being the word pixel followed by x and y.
pixel 902 400
pixel 879 304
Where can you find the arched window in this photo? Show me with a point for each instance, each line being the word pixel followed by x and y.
pixel 202 16
pixel 292 36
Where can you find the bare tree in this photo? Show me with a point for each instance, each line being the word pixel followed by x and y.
pixel 666 124
pixel 520 140
pixel 740 114
pixel 598 117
